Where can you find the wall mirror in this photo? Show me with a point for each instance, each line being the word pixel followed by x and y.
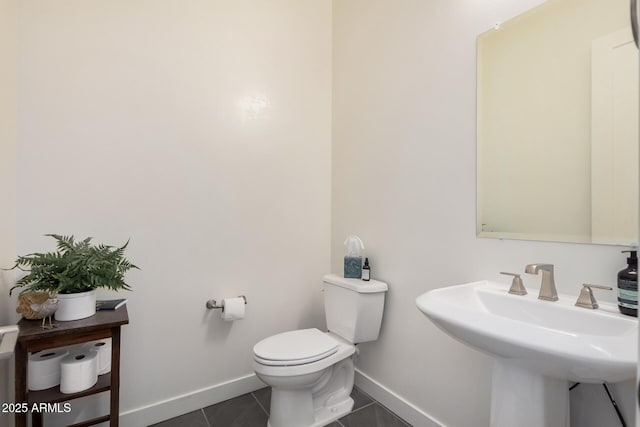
pixel 557 125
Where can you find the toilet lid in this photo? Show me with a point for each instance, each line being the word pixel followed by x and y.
pixel 295 347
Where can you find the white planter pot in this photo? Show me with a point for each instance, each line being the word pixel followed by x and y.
pixel 76 306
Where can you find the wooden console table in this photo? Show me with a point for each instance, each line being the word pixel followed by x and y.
pixel 105 324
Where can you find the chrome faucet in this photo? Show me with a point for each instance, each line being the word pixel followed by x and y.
pixel 548 287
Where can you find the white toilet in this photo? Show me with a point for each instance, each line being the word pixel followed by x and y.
pixel 311 372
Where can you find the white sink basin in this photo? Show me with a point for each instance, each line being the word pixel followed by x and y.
pixel 535 342
pixel 553 338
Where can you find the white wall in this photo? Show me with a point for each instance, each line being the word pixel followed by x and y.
pixel 8 135
pixel 404 180
pixel 134 123
pixel 131 125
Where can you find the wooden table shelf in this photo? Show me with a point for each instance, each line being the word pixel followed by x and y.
pixel 54 395
pixel 105 324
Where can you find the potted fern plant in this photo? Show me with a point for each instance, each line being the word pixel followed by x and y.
pixel 73 272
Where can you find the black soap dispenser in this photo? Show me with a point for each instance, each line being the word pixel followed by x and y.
pixel 628 286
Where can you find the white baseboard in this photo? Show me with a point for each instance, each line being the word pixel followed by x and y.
pixel 395 403
pixel 178 405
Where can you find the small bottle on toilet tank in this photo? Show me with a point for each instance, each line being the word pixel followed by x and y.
pixel 366 270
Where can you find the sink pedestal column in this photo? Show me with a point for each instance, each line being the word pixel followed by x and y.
pixel 520 397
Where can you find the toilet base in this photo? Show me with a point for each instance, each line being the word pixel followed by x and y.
pixel 312 394
pixel 327 415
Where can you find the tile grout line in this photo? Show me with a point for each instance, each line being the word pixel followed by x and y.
pixel 353 411
pixel 382 406
pixel 260 404
pixel 205 417
pixel 392 413
pixel 373 402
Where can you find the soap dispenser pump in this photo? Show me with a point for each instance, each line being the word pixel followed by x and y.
pixel 628 286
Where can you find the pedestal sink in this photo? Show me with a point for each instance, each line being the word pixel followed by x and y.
pixel 538 346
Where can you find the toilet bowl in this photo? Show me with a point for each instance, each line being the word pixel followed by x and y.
pixel 311 372
pixel 311 377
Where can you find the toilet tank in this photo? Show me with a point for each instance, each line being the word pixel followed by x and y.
pixel 354 307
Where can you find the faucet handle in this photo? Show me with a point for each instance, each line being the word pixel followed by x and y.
pixel 586 298
pixel 517 287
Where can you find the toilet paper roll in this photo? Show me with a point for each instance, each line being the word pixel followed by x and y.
pixel 232 309
pixel 103 349
pixel 44 369
pixel 78 371
pixel 75 348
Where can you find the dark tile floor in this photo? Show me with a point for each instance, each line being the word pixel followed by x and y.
pixel 252 410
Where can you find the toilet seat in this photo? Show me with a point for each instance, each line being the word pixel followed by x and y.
pixel 263 367
pixel 295 348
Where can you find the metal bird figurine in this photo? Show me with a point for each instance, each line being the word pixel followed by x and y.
pixel 46 309
pixel 37 305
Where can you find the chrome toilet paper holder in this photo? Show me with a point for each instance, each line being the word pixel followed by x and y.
pixel 213 305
